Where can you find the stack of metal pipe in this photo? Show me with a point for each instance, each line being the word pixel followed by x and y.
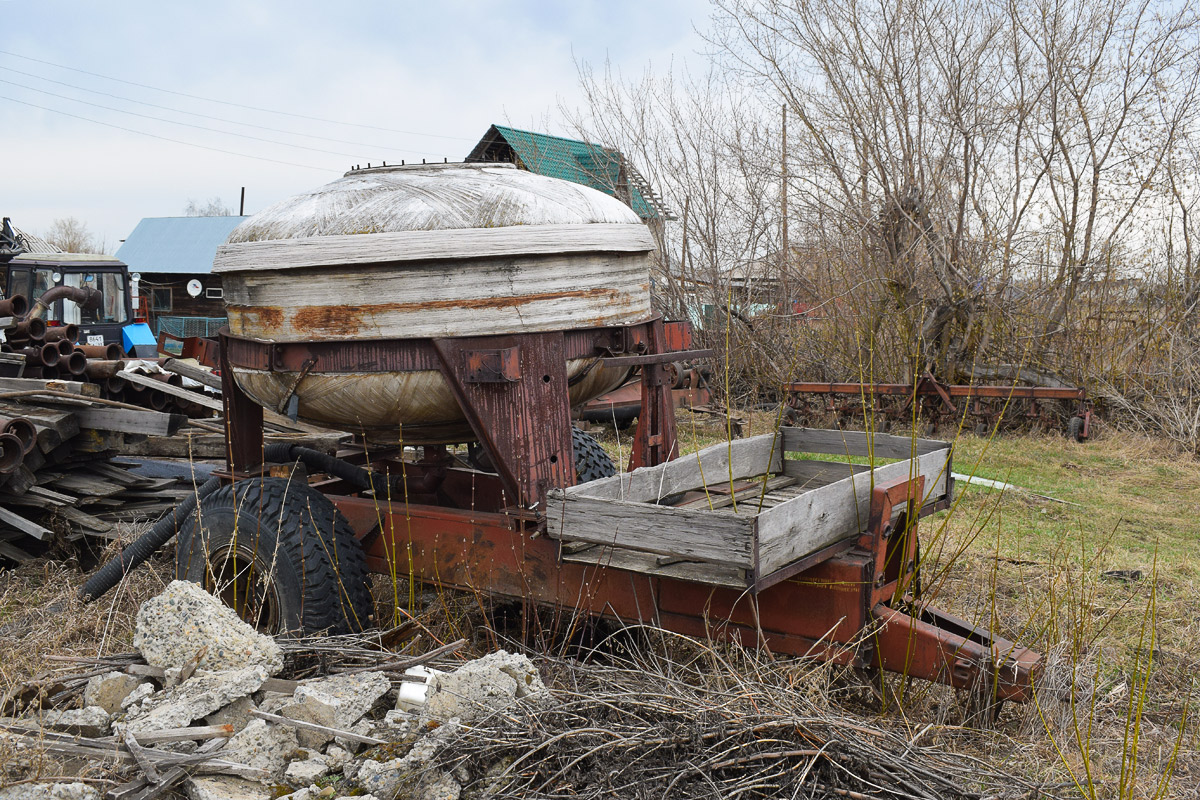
pixel 51 354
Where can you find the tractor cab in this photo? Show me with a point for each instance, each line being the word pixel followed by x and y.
pixel 33 274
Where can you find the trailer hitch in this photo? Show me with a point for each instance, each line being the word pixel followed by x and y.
pixel 912 637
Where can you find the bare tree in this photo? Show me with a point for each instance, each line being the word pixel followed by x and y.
pixel 72 236
pixel 214 207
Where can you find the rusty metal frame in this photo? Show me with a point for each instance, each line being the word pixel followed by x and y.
pixel 849 608
pixel 477 532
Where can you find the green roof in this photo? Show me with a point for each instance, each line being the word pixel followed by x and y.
pixel 569 159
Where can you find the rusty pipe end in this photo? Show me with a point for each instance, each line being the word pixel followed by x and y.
pixel 15 306
pixel 23 429
pixel 11 453
pixel 50 354
pixel 76 363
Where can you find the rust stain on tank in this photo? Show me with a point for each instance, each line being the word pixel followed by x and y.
pixel 343 320
pixel 259 317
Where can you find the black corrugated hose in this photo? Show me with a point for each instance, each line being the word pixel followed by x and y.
pixel 165 529
pixel 317 461
pixel 145 546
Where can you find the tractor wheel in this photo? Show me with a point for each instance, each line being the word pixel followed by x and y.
pixel 279 554
pixel 591 462
pixel 1075 429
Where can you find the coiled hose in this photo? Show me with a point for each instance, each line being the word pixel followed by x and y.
pixel 165 529
pixel 145 545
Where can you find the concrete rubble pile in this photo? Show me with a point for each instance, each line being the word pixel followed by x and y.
pixel 208 714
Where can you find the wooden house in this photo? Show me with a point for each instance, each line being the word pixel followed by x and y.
pixel 593 165
pixel 173 258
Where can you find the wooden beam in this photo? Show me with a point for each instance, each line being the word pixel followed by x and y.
pixel 174 391
pixel 196 373
pixel 25 526
pixel 35 384
pixel 127 420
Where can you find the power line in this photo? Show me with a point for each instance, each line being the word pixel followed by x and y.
pixel 183 124
pixel 208 116
pixel 163 138
pixel 228 103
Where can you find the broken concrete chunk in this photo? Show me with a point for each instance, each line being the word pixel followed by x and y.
pixel 109 689
pixel 236 714
pixel 50 791
pixel 134 698
pixel 184 620
pixel 387 779
pixel 307 772
pixel 483 686
pixel 438 786
pixel 225 787
pixel 195 698
pixel 263 745
pixel 337 702
pixel 337 757
pixel 92 721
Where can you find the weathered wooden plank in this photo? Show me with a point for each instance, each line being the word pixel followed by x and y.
pixel 455 243
pixel 174 391
pixel 750 495
pixel 51 497
pixel 86 486
pixel 14 553
pixel 127 420
pixel 482 297
pixel 695 535
pixel 710 466
pixel 856 443
pixel 20 480
pixel 54 426
pixel 14 520
pixel 825 515
pixel 34 384
pixel 84 520
pixel 194 371
pixel 815 474
pixel 647 564
pixel 121 476
pixel 92 440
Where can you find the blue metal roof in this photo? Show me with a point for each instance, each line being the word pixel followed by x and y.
pixel 183 245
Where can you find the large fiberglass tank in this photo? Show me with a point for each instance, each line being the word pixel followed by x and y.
pixel 422 252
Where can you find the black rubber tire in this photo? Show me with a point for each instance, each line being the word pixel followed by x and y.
pixel 591 461
pixel 298 550
pixel 1075 429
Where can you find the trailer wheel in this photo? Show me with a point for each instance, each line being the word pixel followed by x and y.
pixel 591 461
pixel 1075 429
pixel 279 554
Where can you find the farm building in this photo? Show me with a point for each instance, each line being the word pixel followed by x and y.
pixel 601 168
pixel 169 253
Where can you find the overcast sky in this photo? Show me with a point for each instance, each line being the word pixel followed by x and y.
pixel 417 79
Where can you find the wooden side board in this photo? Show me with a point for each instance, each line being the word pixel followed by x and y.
pixel 833 502
pixel 825 515
pixel 692 534
pixel 856 443
pixel 708 467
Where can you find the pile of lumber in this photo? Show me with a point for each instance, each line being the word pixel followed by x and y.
pixel 65 482
pixel 65 485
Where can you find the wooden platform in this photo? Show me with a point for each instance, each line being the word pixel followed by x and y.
pixel 741 514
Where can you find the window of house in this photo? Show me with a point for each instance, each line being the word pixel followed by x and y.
pixel 160 299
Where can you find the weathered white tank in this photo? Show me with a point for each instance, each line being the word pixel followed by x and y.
pixel 414 252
